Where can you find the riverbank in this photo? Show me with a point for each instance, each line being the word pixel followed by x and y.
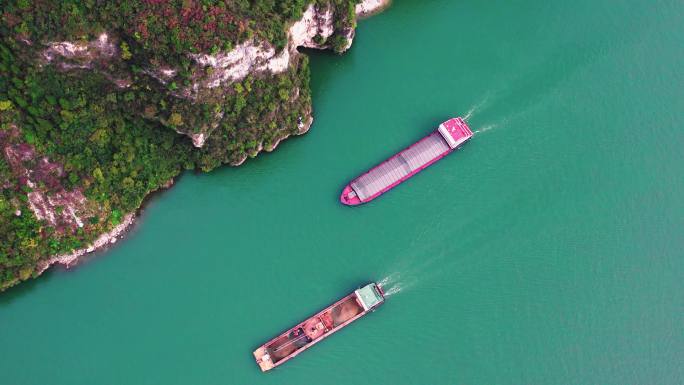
pixel 70 259
pixel 371 7
pixel 232 76
pixel 105 240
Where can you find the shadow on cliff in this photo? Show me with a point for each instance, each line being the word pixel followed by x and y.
pixel 320 61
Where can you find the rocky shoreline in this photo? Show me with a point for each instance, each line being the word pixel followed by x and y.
pixel 109 238
pixel 371 7
pixel 300 35
pixel 70 259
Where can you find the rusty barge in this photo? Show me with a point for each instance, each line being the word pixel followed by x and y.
pixel 321 325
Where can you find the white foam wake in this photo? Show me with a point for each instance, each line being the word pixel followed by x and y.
pixel 475 108
pixel 386 281
pixel 391 284
pixel 485 128
pixel 392 291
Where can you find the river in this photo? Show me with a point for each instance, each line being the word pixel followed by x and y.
pixel 548 250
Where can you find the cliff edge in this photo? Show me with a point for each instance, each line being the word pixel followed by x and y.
pixel 100 106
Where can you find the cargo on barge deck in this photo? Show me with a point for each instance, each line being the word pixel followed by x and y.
pixel 321 325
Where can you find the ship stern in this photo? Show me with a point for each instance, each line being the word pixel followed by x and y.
pixel 370 296
pixel 455 131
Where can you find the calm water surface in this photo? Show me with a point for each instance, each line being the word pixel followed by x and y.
pixel 549 250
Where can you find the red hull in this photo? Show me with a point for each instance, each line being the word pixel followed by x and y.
pixel 316 328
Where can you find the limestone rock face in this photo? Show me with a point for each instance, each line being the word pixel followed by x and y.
pixel 66 209
pixel 369 7
pixel 80 54
pixel 252 57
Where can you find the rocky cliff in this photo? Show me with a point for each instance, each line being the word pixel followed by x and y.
pixel 89 126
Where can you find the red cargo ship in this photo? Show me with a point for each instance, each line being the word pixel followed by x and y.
pixel 407 163
pixel 313 330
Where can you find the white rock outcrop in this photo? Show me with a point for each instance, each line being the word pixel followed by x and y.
pixel 82 52
pixel 105 239
pixel 255 56
pixel 369 7
pixel 259 56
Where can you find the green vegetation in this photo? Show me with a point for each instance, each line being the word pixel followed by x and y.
pixel 108 129
pixel 84 124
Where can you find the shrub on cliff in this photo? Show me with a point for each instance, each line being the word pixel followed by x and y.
pixel 107 128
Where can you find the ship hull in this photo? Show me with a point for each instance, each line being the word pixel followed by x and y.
pixel 406 163
pixel 318 327
pixel 354 200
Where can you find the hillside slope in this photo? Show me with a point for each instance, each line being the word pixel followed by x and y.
pixel 102 103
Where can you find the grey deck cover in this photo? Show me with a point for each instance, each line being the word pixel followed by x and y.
pixel 400 166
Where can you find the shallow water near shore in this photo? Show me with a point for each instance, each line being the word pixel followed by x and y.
pixel 548 250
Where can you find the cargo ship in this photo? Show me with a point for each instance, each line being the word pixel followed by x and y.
pixel 407 163
pixel 321 325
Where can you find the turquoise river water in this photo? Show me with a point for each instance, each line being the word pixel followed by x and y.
pixel 548 250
